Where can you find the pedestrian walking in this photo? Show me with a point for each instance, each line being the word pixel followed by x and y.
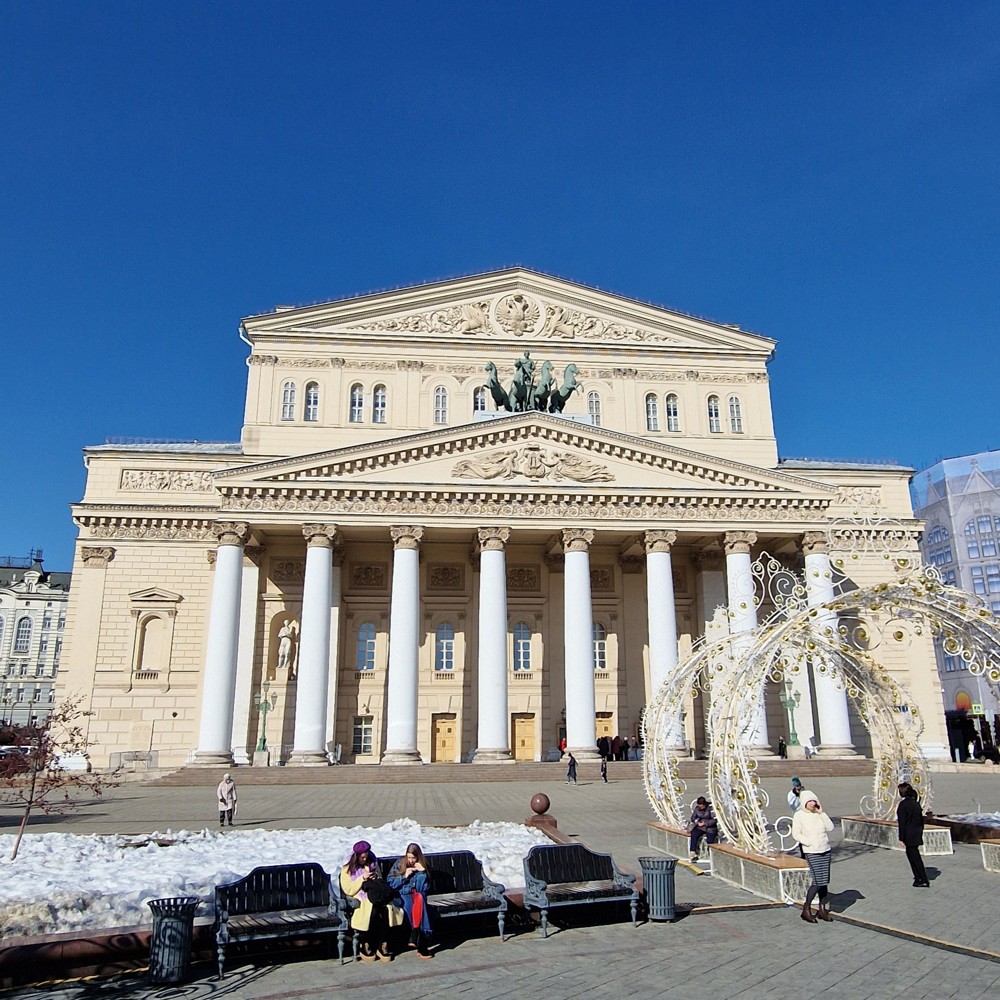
pixel 782 748
pixel 811 827
pixel 226 794
pixel 910 818
pixel 571 770
pixel 604 769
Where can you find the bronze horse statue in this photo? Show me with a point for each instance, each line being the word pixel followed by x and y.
pixel 560 396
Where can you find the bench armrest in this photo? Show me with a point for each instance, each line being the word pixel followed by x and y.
pixel 493 890
pixel 622 879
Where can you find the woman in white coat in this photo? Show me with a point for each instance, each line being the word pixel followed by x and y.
pixel 811 827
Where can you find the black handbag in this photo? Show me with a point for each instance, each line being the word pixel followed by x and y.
pixel 378 890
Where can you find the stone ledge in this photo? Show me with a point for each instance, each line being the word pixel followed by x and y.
pixel 674 841
pixel 778 877
pixel 884 833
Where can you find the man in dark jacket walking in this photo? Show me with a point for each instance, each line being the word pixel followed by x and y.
pixel 911 832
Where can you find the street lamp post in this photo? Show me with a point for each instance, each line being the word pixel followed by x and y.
pixel 790 701
pixel 264 704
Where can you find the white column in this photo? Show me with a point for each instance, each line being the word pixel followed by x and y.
pixel 831 697
pixel 662 616
pixel 333 664
pixel 581 706
pixel 215 730
pixel 309 741
pixel 243 738
pixel 404 644
pixel 493 741
pixel 743 620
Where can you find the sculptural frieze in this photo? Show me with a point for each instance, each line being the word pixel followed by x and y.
pixel 532 462
pixel 466 317
pixel 161 480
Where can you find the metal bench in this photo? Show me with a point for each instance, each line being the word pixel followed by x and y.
pixel 573 875
pixel 458 888
pixel 277 901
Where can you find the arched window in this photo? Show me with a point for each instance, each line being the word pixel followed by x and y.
pixel 311 413
pixel 714 417
pixel 735 415
pixel 970 528
pixel 444 647
pixel 440 405
pixel 673 412
pixel 288 401
pixel 366 647
pixel 152 654
pixel 652 412
pixel 357 413
pixel 379 404
pixel 479 400
pixel 600 647
pixel 594 408
pixel 522 647
pixel 22 635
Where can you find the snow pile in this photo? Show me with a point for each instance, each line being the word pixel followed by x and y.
pixel 62 882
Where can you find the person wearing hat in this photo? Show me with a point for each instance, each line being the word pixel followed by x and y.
pixel 911 832
pixel 372 919
pixel 811 827
pixel 226 794
pixel 795 795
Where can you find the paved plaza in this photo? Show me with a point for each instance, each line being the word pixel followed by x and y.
pixel 889 939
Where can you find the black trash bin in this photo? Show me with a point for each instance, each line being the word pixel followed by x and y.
pixel 658 880
pixel 170 944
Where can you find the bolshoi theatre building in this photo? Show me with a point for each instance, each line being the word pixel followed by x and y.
pixel 465 521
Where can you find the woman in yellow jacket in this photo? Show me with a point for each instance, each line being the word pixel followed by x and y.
pixel 372 920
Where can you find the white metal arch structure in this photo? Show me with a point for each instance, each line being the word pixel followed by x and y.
pixel 835 638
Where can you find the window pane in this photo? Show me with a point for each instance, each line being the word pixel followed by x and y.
pixel 652 414
pixel 522 647
pixel 312 402
pixel 362 741
pixel 379 399
pixel 440 405
pixel 357 414
pixel 444 647
pixel 714 419
pixel 673 413
pixel 22 636
pixel 366 647
pixel 479 400
pixel 735 415
pixel 288 401
pixel 600 647
pixel 594 408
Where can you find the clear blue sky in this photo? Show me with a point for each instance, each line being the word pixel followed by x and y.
pixel 826 175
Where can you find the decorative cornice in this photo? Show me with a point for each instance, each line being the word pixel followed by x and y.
pixel 148 528
pixel 406 537
pixel 738 541
pixel 658 541
pixel 96 558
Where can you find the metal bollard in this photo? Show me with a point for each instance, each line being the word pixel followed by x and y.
pixel 658 881
pixel 170 943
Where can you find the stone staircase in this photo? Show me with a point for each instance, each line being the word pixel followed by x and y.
pixel 363 774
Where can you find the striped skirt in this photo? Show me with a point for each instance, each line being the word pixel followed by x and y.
pixel 819 865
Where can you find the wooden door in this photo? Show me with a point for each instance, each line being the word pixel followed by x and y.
pixel 524 736
pixel 443 738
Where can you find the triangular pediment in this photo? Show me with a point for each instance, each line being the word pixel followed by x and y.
pixel 511 306
pixel 155 595
pixel 521 450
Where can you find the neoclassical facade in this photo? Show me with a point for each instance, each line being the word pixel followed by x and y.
pixel 465 520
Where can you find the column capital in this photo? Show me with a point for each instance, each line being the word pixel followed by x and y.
pixel 658 541
pixel 97 557
pixel 814 542
pixel 577 539
pixel 406 537
pixel 231 532
pixel 320 535
pixel 493 539
pixel 738 541
pixel 708 559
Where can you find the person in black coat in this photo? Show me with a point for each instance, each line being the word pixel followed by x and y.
pixel 911 831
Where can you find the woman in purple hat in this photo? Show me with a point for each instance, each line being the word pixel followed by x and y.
pixel 372 919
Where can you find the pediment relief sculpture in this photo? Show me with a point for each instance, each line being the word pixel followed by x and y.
pixel 533 462
pixel 519 314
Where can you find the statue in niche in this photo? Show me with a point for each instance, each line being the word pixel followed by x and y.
pixel 286 646
pixel 525 394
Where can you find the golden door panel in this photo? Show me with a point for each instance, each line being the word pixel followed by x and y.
pixel 443 738
pixel 523 727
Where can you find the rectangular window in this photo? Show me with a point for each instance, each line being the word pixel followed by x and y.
pixel 989 547
pixel 62 622
pixel 973 550
pixel 949 578
pixel 993 578
pixel 58 648
pixel 362 743
pixel 978 582
pixel 43 645
pixel 39 669
pixel 47 621
pixel 984 523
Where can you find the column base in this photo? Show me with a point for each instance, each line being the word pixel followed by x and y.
pixel 212 758
pixel 837 750
pixel 583 753
pixel 308 758
pixel 491 757
pixel 401 757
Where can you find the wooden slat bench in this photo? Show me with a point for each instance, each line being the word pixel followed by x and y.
pixel 277 901
pixel 573 875
pixel 458 888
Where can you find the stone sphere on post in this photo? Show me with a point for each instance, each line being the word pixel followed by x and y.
pixel 540 803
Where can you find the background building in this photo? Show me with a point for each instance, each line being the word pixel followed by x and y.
pixel 33 607
pixel 959 499
pixel 469 519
